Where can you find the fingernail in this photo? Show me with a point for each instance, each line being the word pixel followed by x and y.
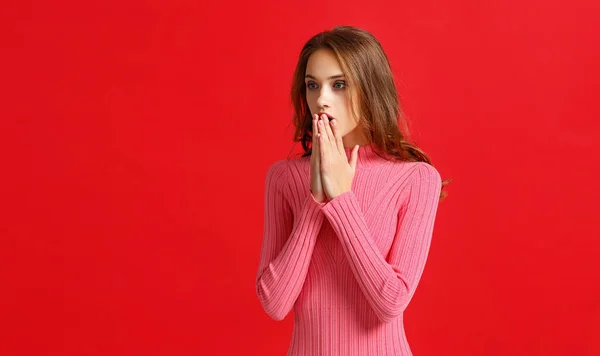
pixel 333 122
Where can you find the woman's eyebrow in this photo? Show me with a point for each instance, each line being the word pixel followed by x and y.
pixel 332 77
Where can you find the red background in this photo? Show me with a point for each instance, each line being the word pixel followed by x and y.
pixel 136 136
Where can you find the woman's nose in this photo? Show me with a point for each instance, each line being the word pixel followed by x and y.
pixel 324 98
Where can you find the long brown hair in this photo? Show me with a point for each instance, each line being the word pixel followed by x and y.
pixel 369 74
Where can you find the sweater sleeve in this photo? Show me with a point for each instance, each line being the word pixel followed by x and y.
pixel 389 282
pixel 288 243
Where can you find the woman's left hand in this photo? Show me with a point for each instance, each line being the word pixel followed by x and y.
pixel 336 172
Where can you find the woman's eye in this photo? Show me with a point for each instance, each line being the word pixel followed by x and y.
pixel 336 85
pixel 343 84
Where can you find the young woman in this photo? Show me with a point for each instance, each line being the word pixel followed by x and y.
pixel 348 225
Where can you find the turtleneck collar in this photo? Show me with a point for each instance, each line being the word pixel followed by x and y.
pixel 367 157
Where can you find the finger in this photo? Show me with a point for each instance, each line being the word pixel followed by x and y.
pixel 323 144
pixel 337 136
pixel 323 131
pixel 329 132
pixel 322 135
pixel 315 133
pixel 324 150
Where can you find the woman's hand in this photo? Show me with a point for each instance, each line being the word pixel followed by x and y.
pixel 336 172
pixel 316 186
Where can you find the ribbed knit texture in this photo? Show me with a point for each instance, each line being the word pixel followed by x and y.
pixel 350 266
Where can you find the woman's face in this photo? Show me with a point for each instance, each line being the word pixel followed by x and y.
pixel 327 92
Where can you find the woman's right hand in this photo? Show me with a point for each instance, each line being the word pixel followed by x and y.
pixel 316 186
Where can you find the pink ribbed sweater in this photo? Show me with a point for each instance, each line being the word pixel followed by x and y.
pixel 348 267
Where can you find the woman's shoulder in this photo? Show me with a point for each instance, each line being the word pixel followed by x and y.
pixel 415 172
pixel 426 170
pixel 298 166
pixel 426 176
pixel 278 169
pixel 285 174
pixel 286 168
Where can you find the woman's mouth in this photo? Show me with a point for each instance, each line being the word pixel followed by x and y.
pixel 328 115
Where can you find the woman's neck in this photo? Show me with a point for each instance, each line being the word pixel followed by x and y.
pixel 367 157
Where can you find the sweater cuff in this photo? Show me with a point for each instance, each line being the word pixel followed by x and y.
pixel 341 202
pixel 312 208
pixel 342 199
pixel 313 201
